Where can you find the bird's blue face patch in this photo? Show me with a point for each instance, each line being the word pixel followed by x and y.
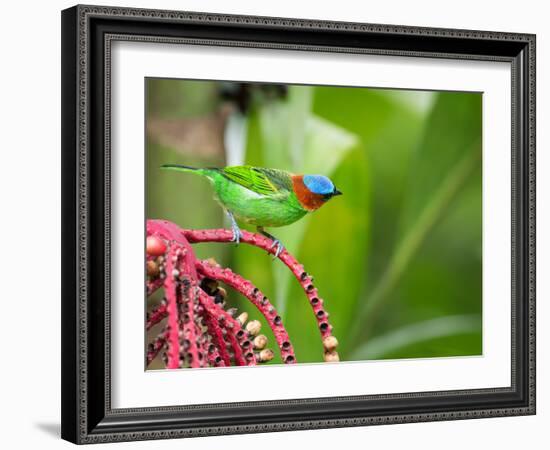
pixel 319 184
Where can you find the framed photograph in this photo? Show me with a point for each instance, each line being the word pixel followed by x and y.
pixel 280 224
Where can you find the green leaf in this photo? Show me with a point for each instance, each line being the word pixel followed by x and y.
pixel 452 136
pixel 389 124
pixel 446 160
pixel 411 336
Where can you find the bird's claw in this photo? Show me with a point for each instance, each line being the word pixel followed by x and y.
pixel 279 249
pixel 237 235
pixel 276 242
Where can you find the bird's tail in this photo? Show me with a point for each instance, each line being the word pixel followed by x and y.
pixel 181 168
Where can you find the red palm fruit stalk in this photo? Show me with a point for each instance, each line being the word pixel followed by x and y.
pixel 237 337
pixel 240 359
pixel 218 346
pixel 259 300
pixel 258 240
pixel 156 315
pixel 171 288
pixel 191 343
pixel 154 285
pixel 156 346
pixel 180 303
pixel 214 358
pixel 199 330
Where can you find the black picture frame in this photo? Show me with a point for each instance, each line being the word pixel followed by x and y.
pixel 87 33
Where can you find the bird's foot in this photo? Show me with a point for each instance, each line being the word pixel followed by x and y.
pixel 237 233
pixel 276 242
pixel 280 247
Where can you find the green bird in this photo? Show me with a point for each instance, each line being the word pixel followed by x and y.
pixel 264 197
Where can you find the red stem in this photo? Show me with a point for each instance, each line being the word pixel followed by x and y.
pixel 217 337
pixel 171 291
pixel 238 337
pixel 258 240
pixel 259 300
pixel 156 315
pixel 153 285
pixel 191 337
pixel 187 305
pixel 156 346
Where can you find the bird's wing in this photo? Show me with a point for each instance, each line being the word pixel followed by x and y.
pixel 262 181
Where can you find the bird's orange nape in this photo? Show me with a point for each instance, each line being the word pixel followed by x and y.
pixel 307 199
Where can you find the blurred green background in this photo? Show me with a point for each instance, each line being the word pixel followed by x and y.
pixel 397 258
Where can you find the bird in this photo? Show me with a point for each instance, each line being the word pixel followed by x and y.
pixel 264 197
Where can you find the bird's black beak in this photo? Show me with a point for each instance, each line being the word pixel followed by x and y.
pixel 336 192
